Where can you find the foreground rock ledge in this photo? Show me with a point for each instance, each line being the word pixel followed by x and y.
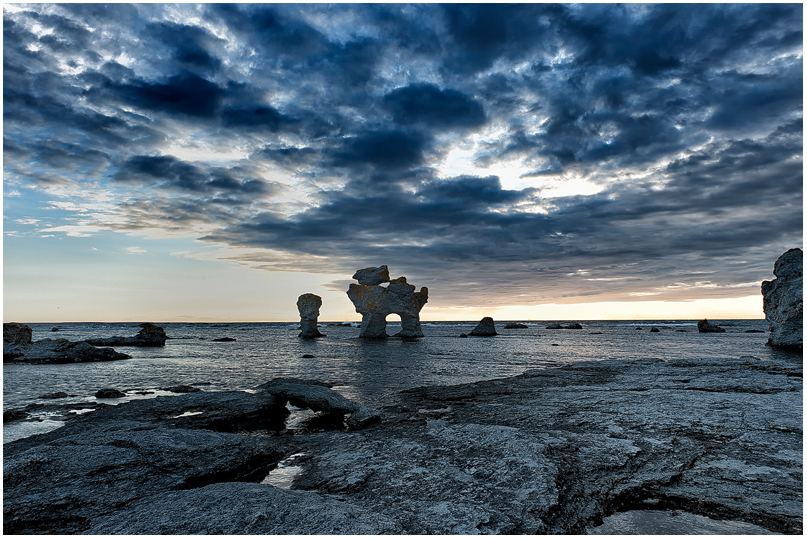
pixel 550 451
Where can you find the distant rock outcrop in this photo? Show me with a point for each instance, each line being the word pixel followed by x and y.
pixel 150 335
pixel 515 325
pixel 705 327
pixel 782 301
pixel 308 305
pixel 375 302
pixel 555 325
pixel 485 328
pixel 20 348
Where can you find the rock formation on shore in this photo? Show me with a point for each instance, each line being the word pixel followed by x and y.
pixel 552 451
pixel 375 302
pixel 485 328
pixel 150 335
pixel 782 301
pixel 308 305
pixel 19 347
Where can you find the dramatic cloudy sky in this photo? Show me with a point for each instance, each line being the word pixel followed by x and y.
pixel 212 162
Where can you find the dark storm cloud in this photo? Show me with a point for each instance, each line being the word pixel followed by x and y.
pixel 683 121
pixel 428 105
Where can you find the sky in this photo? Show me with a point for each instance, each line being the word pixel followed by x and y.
pixel 212 162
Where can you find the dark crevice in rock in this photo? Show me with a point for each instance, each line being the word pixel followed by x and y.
pixel 253 470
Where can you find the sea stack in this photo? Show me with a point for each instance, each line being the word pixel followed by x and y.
pixel 782 301
pixel 308 305
pixel 375 302
pixel 485 328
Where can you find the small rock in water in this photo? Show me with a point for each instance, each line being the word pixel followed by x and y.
pixel 55 329
pixel 308 356
pixel 654 330
pixel 56 395
pixel 515 325
pixel 754 331
pixel 181 389
pixel 638 328
pixel 463 335
pixel 224 339
pixel 705 327
pixel 109 393
pixel 485 328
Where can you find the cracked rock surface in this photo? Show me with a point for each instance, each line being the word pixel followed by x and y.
pixel 550 451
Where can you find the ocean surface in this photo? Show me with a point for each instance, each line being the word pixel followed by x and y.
pixel 365 370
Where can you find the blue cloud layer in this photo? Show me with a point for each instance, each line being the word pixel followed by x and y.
pixel 688 118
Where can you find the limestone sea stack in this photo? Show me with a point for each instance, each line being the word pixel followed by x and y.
pixel 150 335
pixel 308 305
pixel 782 301
pixel 375 302
pixel 485 328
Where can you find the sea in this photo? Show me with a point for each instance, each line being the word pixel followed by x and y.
pixel 368 371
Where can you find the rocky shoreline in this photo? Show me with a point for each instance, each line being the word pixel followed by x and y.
pixel 550 451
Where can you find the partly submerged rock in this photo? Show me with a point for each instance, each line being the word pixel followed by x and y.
pixel 149 335
pixel 181 389
pixel 782 301
pixel 224 339
pixel 705 327
pixel 485 328
pixel 308 305
pixel 515 325
pixel 109 393
pixel 573 325
pixel 317 396
pixel 58 351
pixel 55 395
pixel 375 302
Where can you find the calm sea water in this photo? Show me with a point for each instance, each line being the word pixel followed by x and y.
pixel 365 370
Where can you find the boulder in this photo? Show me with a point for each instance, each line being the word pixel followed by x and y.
pixel 375 302
pixel 58 351
pixel 782 301
pixel 485 328
pixel 372 276
pixel 109 393
pixel 150 335
pixel 705 327
pixel 317 396
pixel 308 305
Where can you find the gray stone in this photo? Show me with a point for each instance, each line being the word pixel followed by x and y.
pixel 782 301
pixel 372 276
pixel 64 484
pixel 318 397
pixel 308 305
pixel 375 302
pixel 58 351
pixel 242 508
pixel 16 333
pixel 485 328
pixel 515 325
pixel 109 393
pixel 705 327
pixel 149 335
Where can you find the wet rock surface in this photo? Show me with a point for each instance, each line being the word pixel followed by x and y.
pixel 782 301
pixel 58 351
pixel 550 451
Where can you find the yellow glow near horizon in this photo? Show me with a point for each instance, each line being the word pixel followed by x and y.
pixel 749 307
